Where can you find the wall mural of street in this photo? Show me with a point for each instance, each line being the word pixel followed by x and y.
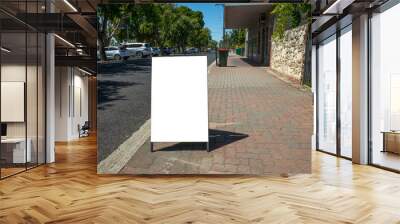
pixel 260 111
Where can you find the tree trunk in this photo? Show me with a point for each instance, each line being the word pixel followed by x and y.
pixel 101 50
pixel 102 39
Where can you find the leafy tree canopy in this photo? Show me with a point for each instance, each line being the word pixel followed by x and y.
pixel 161 25
pixel 288 16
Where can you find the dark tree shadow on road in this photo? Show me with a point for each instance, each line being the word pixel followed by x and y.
pixel 124 67
pixel 218 139
pixel 122 70
pixel 108 91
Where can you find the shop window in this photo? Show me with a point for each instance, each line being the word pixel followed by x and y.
pixel 327 95
pixel 385 89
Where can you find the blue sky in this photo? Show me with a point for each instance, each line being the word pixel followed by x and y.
pixel 213 17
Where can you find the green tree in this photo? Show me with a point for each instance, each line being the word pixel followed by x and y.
pixel 213 44
pixel 144 23
pixel 201 38
pixel 161 25
pixel 165 32
pixel 238 38
pixel 187 28
pixel 109 18
pixel 235 38
pixel 289 15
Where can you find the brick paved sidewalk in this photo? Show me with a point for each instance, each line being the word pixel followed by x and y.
pixel 261 125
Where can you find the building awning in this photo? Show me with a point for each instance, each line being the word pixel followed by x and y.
pixel 243 15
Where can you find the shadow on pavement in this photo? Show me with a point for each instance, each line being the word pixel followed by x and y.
pixel 108 91
pixel 251 62
pixel 218 139
pixel 136 65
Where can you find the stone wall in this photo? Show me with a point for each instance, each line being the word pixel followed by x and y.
pixel 287 55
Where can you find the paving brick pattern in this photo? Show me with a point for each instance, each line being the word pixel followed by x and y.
pixel 258 125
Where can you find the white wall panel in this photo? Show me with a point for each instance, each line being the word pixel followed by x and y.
pixel 12 101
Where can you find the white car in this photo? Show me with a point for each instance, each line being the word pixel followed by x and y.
pixel 113 53
pixel 136 49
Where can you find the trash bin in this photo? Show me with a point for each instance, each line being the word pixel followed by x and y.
pixel 223 57
pixel 239 51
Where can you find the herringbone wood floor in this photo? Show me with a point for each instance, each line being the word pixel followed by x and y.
pixel 70 191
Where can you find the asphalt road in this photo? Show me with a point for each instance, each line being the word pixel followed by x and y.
pixel 123 101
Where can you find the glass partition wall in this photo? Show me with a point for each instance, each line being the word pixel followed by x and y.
pixel 22 77
pixel 385 89
pixel 327 95
pixel 345 90
pixel 334 94
pixel 13 109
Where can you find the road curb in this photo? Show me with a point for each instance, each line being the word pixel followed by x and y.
pixel 211 66
pixel 121 156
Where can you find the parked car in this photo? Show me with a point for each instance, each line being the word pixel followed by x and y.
pixel 191 50
pixel 155 51
pixel 167 51
pixel 114 53
pixel 136 49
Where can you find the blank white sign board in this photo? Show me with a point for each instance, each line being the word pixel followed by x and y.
pixel 12 101
pixel 179 101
